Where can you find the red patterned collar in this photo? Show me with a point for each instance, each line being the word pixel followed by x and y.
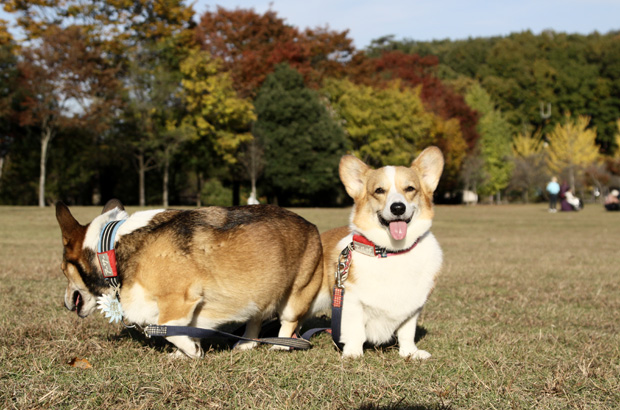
pixel 363 245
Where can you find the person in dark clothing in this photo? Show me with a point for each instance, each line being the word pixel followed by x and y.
pixel 569 202
pixel 612 201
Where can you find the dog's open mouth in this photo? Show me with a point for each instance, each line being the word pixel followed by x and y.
pixel 398 227
pixel 78 301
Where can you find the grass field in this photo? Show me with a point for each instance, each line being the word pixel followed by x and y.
pixel 525 315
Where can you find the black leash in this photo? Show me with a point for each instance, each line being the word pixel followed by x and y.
pixel 199 333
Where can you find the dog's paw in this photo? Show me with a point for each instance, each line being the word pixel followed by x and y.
pixel 417 354
pixel 178 355
pixel 242 346
pixel 352 353
pixel 181 355
pixel 280 348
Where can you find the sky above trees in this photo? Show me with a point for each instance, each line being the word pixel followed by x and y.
pixel 425 20
pixel 437 19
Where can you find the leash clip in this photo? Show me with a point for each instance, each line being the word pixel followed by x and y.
pixel 342 268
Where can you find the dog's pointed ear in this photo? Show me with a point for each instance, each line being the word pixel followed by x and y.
pixel 429 164
pixel 111 204
pixel 353 175
pixel 69 226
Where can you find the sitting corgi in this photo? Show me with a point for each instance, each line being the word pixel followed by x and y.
pixel 394 257
pixel 202 267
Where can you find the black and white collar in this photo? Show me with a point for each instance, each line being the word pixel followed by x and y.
pixel 106 253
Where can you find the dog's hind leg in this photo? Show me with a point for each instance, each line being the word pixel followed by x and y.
pixel 173 313
pixel 307 284
pixel 287 328
pixel 188 347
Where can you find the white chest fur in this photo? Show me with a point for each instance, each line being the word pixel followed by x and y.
pixel 389 291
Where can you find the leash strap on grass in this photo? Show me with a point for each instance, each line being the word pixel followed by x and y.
pixel 199 333
pixel 337 301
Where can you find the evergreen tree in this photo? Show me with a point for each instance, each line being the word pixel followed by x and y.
pixel 302 143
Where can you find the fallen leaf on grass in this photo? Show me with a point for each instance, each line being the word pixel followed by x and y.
pixel 80 363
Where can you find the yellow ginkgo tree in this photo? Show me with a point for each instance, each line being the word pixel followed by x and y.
pixel 218 116
pixel 572 147
pixel 217 119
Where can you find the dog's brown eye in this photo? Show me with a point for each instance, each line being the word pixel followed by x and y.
pixel 409 189
pixel 379 191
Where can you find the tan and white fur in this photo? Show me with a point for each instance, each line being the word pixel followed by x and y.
pixel 384 296
pixel 203 267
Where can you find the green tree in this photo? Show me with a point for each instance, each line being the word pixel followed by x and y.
pixel 151 122
pixel 391 125
pixel 494 145
pixel 8 68
pixel 572 72
pixel 572 147
pixel 384 126
pixel 302 143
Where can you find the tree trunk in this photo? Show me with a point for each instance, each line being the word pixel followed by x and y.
pixel 1 168
pixel 571 179
pixel 253 181
pixel 45 141
pixel 166 177
pixel 141 173
pixel 199 188
pixel 236 193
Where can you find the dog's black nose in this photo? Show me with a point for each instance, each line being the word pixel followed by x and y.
pixel 398 208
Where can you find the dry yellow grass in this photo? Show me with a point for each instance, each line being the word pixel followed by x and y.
pixel 525 315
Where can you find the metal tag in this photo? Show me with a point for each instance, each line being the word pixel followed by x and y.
pixel 107 260
pixel 364 249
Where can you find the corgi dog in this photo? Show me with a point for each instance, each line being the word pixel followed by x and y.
pixel 202 268
pixel 394 257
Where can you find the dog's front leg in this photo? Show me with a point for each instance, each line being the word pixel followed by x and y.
pixel 353 330
pixel 406 339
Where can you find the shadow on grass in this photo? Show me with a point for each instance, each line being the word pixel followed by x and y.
pixel 162 345
pixel 404 406
pixel 270 329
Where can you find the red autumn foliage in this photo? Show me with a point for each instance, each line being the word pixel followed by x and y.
pixel 65 72
pixel 251 44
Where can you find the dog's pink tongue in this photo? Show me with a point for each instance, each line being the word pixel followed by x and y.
pixel 398 230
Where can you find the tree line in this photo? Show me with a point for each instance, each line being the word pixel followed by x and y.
pixel 149 103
